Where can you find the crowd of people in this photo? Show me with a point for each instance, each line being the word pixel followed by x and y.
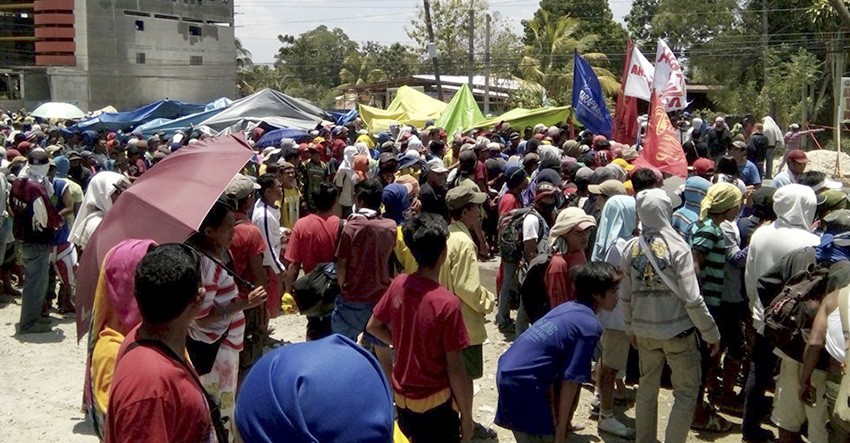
pixel 604 267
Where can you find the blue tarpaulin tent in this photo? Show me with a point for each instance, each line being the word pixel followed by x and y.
pixel 114 121
pixel 343 117
pixel 169 126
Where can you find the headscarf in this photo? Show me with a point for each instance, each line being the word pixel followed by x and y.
pixel 114 313
pixel 795 206
pixel 366 140
pixel 362 148
pixel 618 220
pixel 654 210
pixel 347 164
pixel 720 197
pixel 549 155
pixel 328 390
pixel 96 203
pixel 772 132
pixel 361 167
pixel 695 190
pixel 63 165
pixel 395 201
pixel 568 219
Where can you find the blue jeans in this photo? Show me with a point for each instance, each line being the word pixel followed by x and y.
pixel 36 267
pixel 762 367
pixel 510 284
pixel 350 319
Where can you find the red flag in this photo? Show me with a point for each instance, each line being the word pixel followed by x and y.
pixel 661 148
pixel 626 112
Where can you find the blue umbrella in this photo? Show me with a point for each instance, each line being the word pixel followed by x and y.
pixel 273 138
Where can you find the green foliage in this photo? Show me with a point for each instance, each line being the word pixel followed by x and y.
pixel 594 19
pixel 450 19
pixel 639 23
pixel 396 60
pixel 547 63
pixel 315 57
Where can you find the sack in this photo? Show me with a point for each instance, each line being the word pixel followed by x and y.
pixel 510 233
pixel 203 354
pixel 788 318
pixel 842 401
pixel 316 291
pixel 532 288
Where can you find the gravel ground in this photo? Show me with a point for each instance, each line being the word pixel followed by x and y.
pixel 41 379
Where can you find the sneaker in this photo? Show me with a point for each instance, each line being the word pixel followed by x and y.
pixel 36 328
pixel 613 426
pixel 594 407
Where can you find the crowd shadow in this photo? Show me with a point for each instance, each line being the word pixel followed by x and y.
pixel 54 336
pixel 84 427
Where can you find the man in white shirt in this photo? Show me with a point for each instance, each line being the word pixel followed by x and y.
pixel 266 217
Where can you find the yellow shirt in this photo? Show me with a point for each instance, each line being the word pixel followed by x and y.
pixel 459 275
pixel 290 207
pixel 448 159
pixel 403 254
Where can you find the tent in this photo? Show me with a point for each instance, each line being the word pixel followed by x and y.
pixel 114 121
pixel 520 117
pixel 273 138
pixel 409 107
pixel 169 126
pixel 462 112
pixel 273 108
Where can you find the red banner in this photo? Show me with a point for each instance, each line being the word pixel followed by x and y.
pixel 626 111
pixel 661 148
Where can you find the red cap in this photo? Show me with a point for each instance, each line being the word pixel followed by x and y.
pixel 798 156
pixel 600 141
pixel 703 166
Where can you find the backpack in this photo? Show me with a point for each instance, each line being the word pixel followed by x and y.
pixel 788 318
pixel 510 233
pixel 532 288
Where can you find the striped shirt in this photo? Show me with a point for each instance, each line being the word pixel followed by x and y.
pixel 220 289
pixel 707 238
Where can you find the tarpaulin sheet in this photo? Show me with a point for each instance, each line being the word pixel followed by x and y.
pixel 268 106
pixel 114 121
pixel 520 117
pixel 461 113
pixel 409 107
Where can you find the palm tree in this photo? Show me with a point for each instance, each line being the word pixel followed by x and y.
pixel 546 67
pixel 358 70
pixel 243 56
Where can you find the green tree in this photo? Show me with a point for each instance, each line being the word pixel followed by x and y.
pixel 357 70
pixel 547 64
pixel 639 23
pixel 450 19
pixel 315 57
pixel 595 19
pixel 396 60
pixel 253 78
pixel 243 56
pixel 684 28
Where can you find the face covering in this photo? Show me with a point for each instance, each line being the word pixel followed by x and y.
pixel 38 171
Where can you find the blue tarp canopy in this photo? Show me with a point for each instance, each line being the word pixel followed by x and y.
pixel 342 117
pixel 170 126
pixel 273 138
pixel 114 121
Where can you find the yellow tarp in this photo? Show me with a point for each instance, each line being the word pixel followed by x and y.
pixel 520 117
pixel 409 107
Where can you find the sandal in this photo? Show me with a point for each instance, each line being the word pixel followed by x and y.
pixel 571 428
pixel 715 424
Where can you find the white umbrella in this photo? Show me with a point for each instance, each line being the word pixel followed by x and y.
pixel 58 110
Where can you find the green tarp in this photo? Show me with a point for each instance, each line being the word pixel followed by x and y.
pixel 520 118
pixel 461 113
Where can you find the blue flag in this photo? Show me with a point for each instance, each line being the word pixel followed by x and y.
pixel 588 101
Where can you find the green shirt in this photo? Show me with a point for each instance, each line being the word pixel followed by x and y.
pixel 707 238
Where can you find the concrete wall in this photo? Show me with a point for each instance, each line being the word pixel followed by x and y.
pixel 109 41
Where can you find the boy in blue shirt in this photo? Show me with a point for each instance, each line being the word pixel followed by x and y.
pixel 544 368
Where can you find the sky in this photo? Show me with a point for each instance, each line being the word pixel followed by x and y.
pixel 259 22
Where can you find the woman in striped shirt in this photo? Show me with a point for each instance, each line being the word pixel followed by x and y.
pixel 221 317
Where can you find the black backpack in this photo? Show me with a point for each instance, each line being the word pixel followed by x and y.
pixel 532 288
pixel 789 316
pixel 316 291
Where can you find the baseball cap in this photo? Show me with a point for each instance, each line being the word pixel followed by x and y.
pixel 241 186
pixel 460 196
pixel 38 156
pixel 838 221
pixel 436 165
pixel 385 158
pixel 74 155
pixel 514 175
pixel 544 189
pixel 798 156
pixel 623 164
pixel 703 166
pixel 608 188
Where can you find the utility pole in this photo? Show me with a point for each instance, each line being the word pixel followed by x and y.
pixel 487 66
pixel 432 49
pixel 471 62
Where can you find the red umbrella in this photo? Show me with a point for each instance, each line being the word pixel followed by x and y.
pixel 166 204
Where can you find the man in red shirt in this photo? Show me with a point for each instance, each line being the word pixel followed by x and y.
pixel 156 394
pixel 515 181
pixel 246 251
pixel 423 321
pixel 313 241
